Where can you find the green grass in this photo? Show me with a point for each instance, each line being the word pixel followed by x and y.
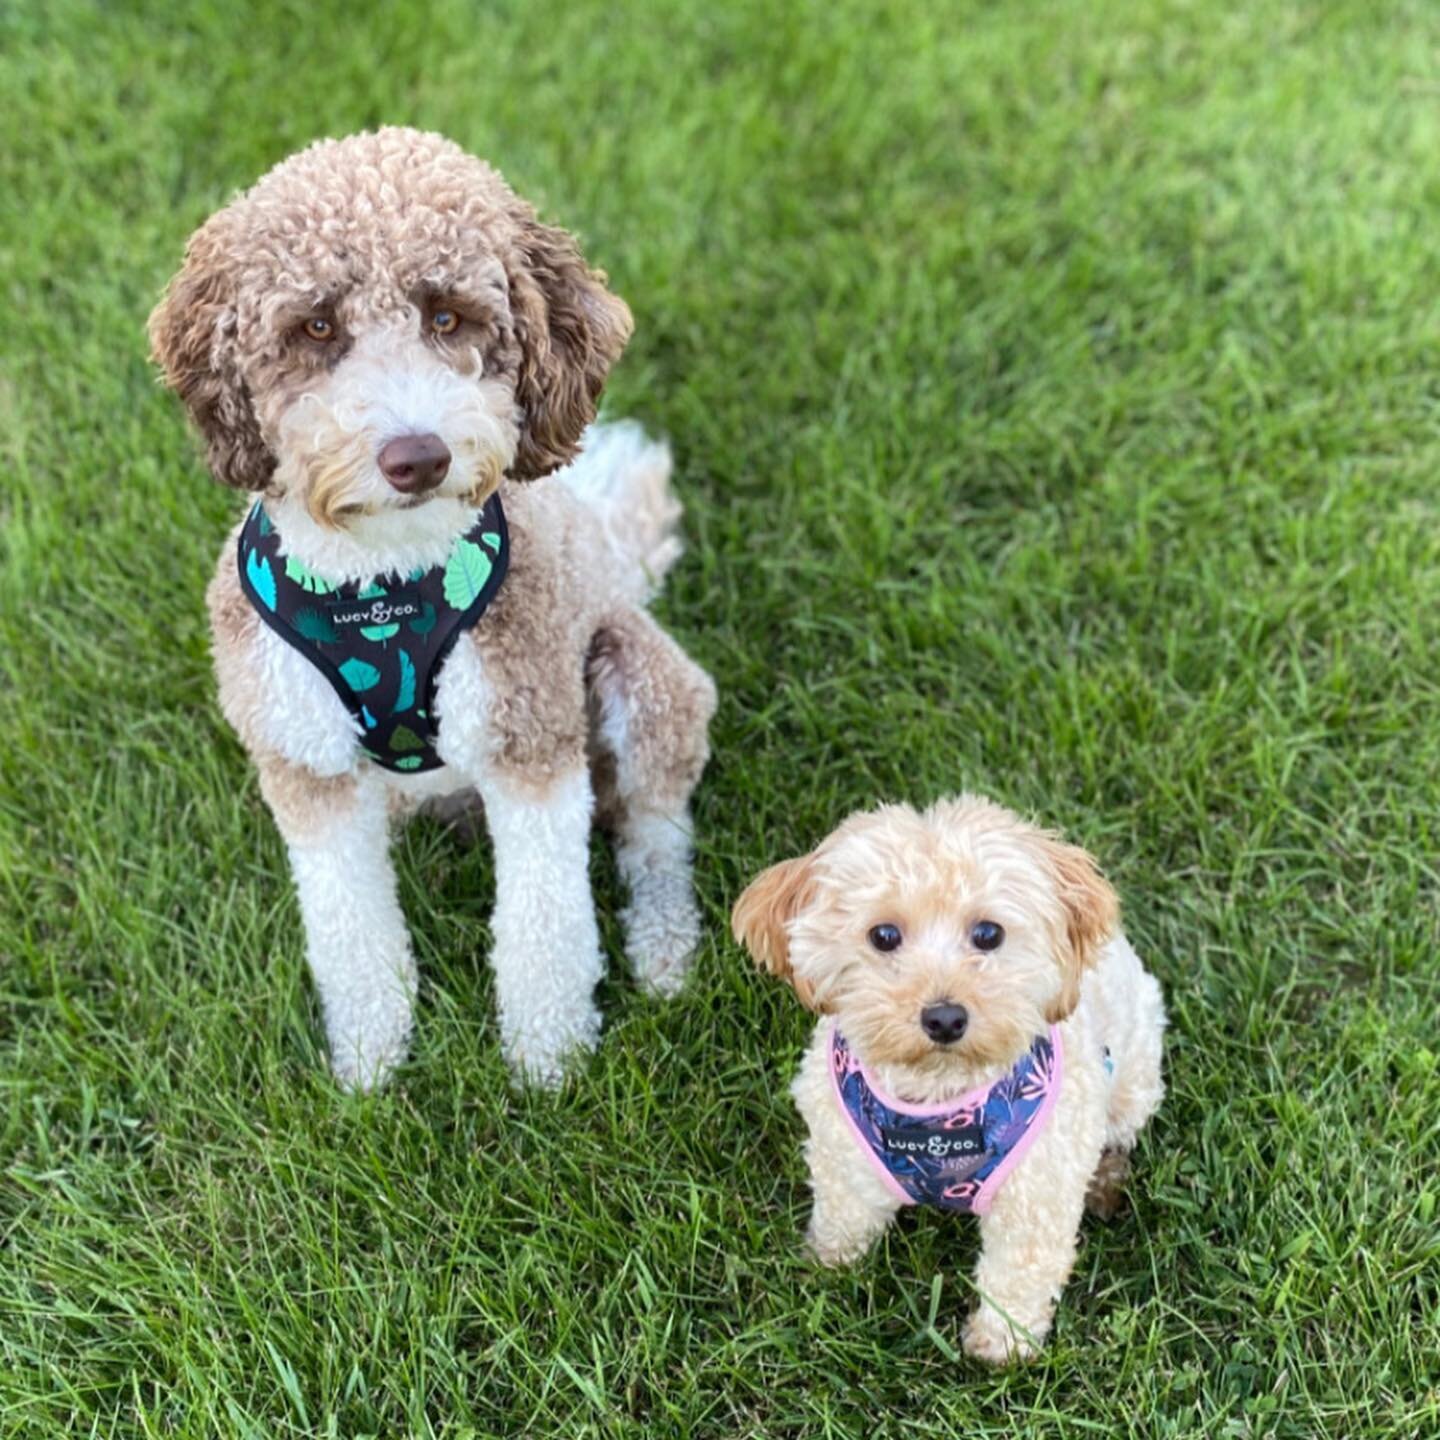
pixel 1054 392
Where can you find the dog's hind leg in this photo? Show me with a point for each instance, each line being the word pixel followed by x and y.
pixel 1105 1194
pixel 356 940
pixel 1136 1085
pixel 650 706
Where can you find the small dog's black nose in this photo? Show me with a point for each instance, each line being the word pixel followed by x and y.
pixel 414 464
pixel 944 1024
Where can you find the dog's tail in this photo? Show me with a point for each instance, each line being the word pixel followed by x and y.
pixel 623 477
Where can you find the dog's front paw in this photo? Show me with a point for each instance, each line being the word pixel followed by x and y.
pixel 990 1337
pixel 367 1044
pixel 834 1247
pixel 662 929
pixel 831 1255
pixel 545 1052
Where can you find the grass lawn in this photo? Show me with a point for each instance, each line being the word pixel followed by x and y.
pixel 1055 391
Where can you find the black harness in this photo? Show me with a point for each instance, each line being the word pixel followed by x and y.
pixel 381 646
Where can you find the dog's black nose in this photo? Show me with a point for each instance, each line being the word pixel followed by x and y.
pixel 414 464
pixel 944 1024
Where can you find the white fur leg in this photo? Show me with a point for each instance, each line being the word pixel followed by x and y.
pixel 853 1205
pixel 1029 1236
pixel 1020 1277
pixel 547 945
pixel 356 940
pixel 845 1221
pixel 662 921
pixel 1027 1250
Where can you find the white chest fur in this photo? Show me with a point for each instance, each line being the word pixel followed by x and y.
pixel 303 719
pixel 307 723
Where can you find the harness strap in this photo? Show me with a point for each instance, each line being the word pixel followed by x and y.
pixel 381 645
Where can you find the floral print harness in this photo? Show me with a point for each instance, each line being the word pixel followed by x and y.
pixel 380 646
pixel 954 1155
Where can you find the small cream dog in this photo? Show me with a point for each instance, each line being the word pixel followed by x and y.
pixel 991 1041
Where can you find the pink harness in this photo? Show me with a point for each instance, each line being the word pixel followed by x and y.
pixel 957 1154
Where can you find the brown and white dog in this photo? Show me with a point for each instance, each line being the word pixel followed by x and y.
pixel 376 338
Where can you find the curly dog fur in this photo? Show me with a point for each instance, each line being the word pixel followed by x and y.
pixel 390 285
pixel 1062 959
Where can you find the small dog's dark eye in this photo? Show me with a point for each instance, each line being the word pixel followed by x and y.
pixel 317 327
pixel 885 937
pixel 444 322
pixel 987 935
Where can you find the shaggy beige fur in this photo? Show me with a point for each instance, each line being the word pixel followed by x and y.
pixel 390 285
pixel 935 876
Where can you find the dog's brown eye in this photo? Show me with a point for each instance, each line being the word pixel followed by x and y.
pixel 444 322
pixel 317 327
pixel 885 937
pixel 987 935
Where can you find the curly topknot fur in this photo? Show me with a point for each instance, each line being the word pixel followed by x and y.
pixel 380 224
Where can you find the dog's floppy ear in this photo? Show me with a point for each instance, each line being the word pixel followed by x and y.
pixel 762 915
pixel 1092 911
pixel 571 330
pixel 192 338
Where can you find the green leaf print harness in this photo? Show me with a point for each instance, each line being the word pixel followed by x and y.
pixel 380 646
